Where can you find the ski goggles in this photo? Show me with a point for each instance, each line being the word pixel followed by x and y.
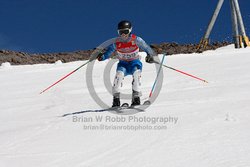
pixel 124 31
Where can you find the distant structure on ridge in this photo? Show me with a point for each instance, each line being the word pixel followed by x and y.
pixel 240 38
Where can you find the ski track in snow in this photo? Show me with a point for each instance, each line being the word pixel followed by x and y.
pixel 212 127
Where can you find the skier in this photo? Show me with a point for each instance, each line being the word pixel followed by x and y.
pixel 127 47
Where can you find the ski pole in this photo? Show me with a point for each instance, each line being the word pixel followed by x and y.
pixel 64 77
pixel 182 72
pixel 157 76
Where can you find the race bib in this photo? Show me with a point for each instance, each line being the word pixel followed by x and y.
pixel 128 56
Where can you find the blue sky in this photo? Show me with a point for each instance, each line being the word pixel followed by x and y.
pixel 46 26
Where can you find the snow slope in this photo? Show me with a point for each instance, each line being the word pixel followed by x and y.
pixel 205 124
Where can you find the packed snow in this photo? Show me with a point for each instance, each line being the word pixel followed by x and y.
pixel 191 123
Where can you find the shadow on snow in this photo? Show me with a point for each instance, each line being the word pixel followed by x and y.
pixel 112 110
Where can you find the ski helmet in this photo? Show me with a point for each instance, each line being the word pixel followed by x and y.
pixel 124 27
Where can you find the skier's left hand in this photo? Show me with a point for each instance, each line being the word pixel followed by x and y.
pixel 149 59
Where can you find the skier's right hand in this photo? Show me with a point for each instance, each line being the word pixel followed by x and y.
pixel 100 56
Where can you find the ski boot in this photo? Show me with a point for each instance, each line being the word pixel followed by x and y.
pixel 135 99
pixel 116 100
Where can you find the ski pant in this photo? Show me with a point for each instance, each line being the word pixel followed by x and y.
pixel 128 68
pixel 136 83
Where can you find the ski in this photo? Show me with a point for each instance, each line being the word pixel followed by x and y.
pixel 125 105
pixel 119 109
pixel 147 102
pixel 139 108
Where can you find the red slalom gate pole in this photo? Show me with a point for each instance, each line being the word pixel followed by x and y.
pixel 64 77
pixel 183 72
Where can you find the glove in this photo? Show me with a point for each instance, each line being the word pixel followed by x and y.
pixel 100 56
pixel 96 55
pixel 149 59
